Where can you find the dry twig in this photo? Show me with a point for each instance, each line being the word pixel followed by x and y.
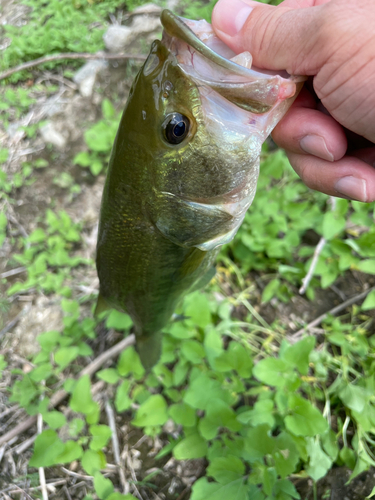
pixel 116 446
pixel 59 396
pixel 68 55
pixel 318 250
pixel 294 337
pixel 42 476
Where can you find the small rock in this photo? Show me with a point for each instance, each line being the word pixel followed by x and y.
pixel 52 136
pixel 86 76
pixel 145 24
pixel 116 38
pixel 147 8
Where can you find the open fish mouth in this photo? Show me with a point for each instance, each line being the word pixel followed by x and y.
pixel 206 59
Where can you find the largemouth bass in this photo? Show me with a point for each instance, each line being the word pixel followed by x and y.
pixel 182 173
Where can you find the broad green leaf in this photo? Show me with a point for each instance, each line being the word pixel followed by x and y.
pixel 48 340
pixel 369 302
pixel 92 461
pixel 129 362
pixel 333 224
pixel 122 399
pixel 100 436
pixel 367 266
pixel 81 399
pixel 193 446
pixel 272 371
pixel 103 486
pixel 55 419
pixel 239 359
pixel 65 355
pixel 183 414
pixel 197 309
pixel 47 447
pixel 287 487
pixel 262 413
pixel 270 290
pixel 203 490
pixel 354 397
pixel 285 455
pixel 258 443
pixel 109 375
pixel 76 426
pixel 203 390
pixel 118 320
pixel 319 463
pixel 152 412
pixel 226 469
pixel 72 451
pixel 305 420
pixel 298 354
pixel 41 372
pixel 193 351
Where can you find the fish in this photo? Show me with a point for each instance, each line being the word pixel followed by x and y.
pixel 182 172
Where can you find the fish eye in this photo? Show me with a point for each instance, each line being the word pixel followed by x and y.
pixel 175 128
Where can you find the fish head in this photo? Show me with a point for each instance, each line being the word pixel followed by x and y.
pixel 200 113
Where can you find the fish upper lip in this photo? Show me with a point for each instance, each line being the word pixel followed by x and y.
pixel 176 27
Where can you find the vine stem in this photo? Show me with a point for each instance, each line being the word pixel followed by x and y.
pixel 69 55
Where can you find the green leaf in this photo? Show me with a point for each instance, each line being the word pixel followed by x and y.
pixel 47 447
pixel 72 451
pixel 119 496
pixel 298 354
pixel 197 308
pixel 66 355
pixel 203 391
pixel 285 486
pixel 333 224
pixel 103 486
pixel 193 351
pixel 152 412
pixel 319 463
pixel 109 375
pixel 367 266
pixel 236 490
pixel 270 290
pixel 305 420
pixel 76 426
pixel 118 320
pixel 129 362
pixel 354 397
pixel 122 399
pixel 100 436
pixel 226 469
pixel 369 302
pixel 193 446
pixel 239 359
pixel 81 399
pixel 107 109
pixel 183 414
pixel 262 413
pixel 272 371
pixel 55 419
pixel 92 461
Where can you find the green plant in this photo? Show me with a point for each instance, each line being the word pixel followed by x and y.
pixel 99 139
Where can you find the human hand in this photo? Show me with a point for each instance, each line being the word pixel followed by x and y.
pixel 329 132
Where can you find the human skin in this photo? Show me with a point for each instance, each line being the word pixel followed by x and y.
pixel 329 133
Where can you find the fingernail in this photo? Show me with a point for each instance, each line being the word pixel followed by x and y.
pixel 315 145
pixel 352 188
pixel 230 16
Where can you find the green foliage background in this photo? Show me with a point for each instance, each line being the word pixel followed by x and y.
pixel 259 407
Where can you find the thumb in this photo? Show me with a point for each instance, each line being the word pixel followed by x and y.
pixel 279 38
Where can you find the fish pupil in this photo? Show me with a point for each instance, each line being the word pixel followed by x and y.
pixel 176 127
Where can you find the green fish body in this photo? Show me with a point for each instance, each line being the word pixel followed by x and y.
pixel 182 174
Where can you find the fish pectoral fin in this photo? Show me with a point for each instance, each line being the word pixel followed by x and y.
pixel 101 305
pixel 188 223
pixel 149 349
